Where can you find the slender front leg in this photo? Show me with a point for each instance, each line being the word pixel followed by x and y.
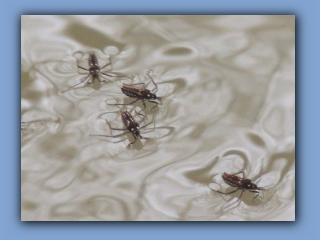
pixel 256 194
pixel 155 89
pixel 135 139
pixel 156 104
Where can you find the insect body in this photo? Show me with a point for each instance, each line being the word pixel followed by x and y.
pixel 131 126
pixel 94 67
pixel 142 94
pixel 241 184
pixel 94 71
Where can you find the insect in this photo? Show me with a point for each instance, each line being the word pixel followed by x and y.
pixel 131 126
pixel 94 71
pixel 241 184
pixel 142 94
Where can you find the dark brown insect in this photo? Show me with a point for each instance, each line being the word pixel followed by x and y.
pixel 131 126
pixel 94 71
pixel 142 94
pixel 241 184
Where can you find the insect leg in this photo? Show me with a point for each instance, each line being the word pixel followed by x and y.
pixel 144 105
pixel 109 63
pixel 240 195
pixel 72 87
pixel 118 129
pixel 227 192
pixel 156 104
pixel 124 103
pixel 144 117
pixel 256 194
pixel 144 137
pixel 155 89
pixel 99 79
pixel 91 81
pixel 143 84
pixel 148 123
pixel 83 68
pixel 106 65
pixel 135 139
pixel 112 75
pixel 113 136
pixel 123 129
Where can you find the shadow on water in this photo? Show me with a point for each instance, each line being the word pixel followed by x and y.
pixel 90 37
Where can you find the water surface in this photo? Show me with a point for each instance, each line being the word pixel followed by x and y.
pixel 230 107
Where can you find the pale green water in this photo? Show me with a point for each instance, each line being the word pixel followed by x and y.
pixel 232 108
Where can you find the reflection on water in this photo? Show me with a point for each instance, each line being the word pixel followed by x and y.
pixel 230 108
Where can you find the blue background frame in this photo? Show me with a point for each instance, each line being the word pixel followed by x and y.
pixel 307 122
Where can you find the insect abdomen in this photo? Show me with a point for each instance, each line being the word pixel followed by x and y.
pixel 232 180
pixel 131 92
pixel 93 60
pixel 127 119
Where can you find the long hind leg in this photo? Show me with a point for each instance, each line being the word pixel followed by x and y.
pixel 118 129
pixel 134 84
pixel 240 195
pixel 72 87
pixel 113 136
pixel 227 192
pixel 124 103
pixel 117 76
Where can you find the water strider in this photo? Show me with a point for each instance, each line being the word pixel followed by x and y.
pixel 94 71
pixel 241 184
pixel 131 126
pixel 141 93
